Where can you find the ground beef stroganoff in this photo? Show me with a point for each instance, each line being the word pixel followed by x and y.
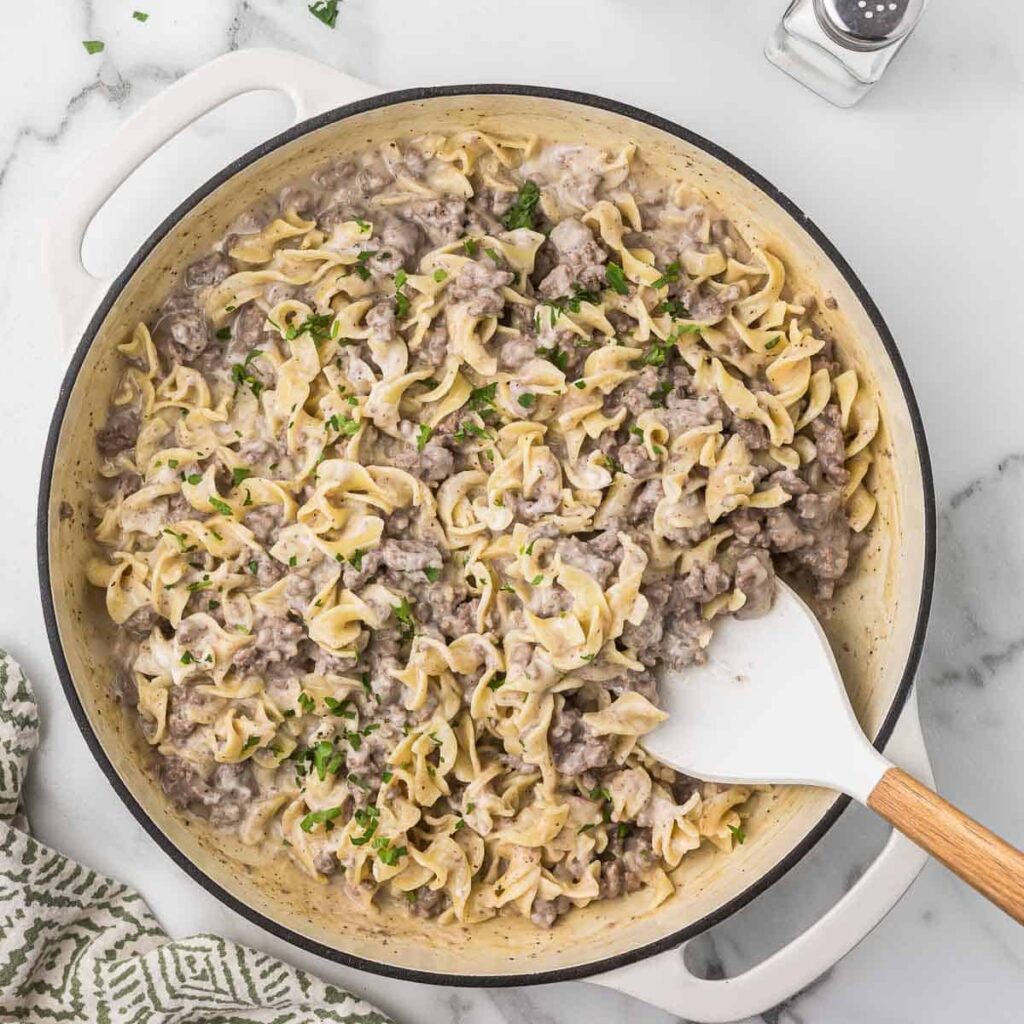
pixel 411 488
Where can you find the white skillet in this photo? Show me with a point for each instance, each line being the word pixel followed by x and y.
pixel 770 706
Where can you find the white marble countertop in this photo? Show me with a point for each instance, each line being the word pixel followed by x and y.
pixel 921 187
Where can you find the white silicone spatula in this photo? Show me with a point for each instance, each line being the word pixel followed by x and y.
pixel 770 706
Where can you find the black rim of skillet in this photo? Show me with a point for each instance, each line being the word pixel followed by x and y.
pixel 577 971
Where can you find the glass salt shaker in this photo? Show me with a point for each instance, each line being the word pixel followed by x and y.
pixel 840 48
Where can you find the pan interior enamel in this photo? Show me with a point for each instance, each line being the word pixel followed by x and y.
pixel 871 623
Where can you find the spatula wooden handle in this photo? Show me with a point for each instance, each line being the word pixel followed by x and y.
pixel 978 856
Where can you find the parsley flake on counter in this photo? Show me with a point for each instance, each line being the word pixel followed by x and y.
pixel 140 15
pixel 93 46
pixel 325 11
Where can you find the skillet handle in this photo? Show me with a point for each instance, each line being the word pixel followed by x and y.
pixel 311 86
pixel 665 981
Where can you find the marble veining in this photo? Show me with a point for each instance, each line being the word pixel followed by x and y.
pixel 920 187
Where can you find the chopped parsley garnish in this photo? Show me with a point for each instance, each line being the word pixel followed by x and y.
pixel 319 326
pixel 223 334
pixel 521 213
pixel 327 12
pixel 181 539
pixel 432 573
pixel 527 399
pixel 188 658
pixel 555 355
pixel 497 682
pixel 401 299
pixel 386 853
pixel 622 831
pixel 537 580
pixel 200 584
pixel 440 275
pixel 661 392
pixel 468 429
pixel 293 561
pixel 482 399
pixel 571 302
pixel 220 506
pixel 580 384
pixel 140 15
pixel 387 776
pixel 93 46
pixel 192 478
pixel 470 247
pixel 340 708
pixel 773 343
pixel 670 274
pixel 423 436
pixel 738 833
pixel 459 825
pixel 404 615
pixel 356 559
pixel 673 307
pixel 325 817
pixel 656 354
pixel 241 374
pixel 366 818
pixel 173 463
pixel 254 567
pixel 240 473
pixel 343 425
pixel 252 741
pixel 616 278
pixel 681 329
pixel 495 256
pixel 326 760
pixel 306 702
pixel 361 260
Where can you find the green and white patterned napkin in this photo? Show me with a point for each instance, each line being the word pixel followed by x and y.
pixel 75 946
